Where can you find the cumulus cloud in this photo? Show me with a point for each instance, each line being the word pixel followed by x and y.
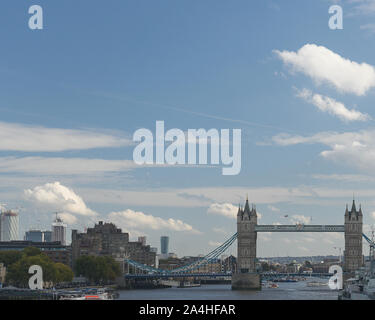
pixel 68 218
pixel 223 209
pixel 60 198
pixel 300 219
pixel 226 209
pixel 20 137
pixel 137 219
pixel 331 106
pixel 356 149
pixel 325 66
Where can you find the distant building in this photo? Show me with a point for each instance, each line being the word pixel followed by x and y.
pixel 47 236
pixel 164 245
pixel 229 264
pixel 107 239
pixel 9 224
pixel 38 236
pixel 59 231
pixel 34 235
pixel 55 250
pixel 142 240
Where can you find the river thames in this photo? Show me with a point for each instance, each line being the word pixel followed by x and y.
pixel 285 291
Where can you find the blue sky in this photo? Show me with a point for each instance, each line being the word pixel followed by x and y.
pixel 73 94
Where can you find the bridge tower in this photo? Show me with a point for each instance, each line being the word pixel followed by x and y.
pixel 353 258
pixel 246 277
pixel 246 239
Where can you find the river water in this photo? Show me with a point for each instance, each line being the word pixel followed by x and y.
pixel 285 291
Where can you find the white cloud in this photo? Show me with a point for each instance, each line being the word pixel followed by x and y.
pixel 326 66
pixel 331 106
pixel 136 219
pixel 20 137
pixel 60 198
pixel 274 209
pixel 344 177
pixel 300 219
pixel 363 7
pixel 226 209
pixel 223 209
pixel 355 149
pixel 373 215
pixel 68 218
pixel 63 166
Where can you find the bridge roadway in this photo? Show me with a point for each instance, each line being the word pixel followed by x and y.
pixel 300 228
pixel 216 275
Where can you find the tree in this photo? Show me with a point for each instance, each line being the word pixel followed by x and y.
pixel 97 269
pixel 31 251
pixel 18 268
pixel 10 257
pixel 18 272
pixel 63 273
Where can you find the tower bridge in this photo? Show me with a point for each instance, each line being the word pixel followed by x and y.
pixel 248 228
pixel 246 276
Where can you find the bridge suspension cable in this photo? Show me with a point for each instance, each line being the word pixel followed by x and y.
pixel 189 267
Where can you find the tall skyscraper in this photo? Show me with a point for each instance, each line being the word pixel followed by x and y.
pixel 59 230
pixel 9 224
pixel 164 245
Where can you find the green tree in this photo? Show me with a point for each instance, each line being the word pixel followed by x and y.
pixel 97 269
pixel 10 257
pixel 18 271
pixel 63 273
pixel 31 251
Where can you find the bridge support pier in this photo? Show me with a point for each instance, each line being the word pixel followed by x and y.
pixel 246 281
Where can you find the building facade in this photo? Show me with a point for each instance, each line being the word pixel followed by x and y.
pixel 54 250
pixel 59 231
pixel 34 235
pixel 164 245
pixel 353 257
pixel 107 239
pixel 9 224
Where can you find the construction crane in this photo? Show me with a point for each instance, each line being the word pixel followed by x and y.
pixel 372 251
